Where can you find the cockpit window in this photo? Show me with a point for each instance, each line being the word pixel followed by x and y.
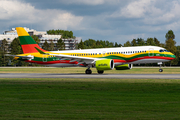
pixel 166 50
pixel 161 50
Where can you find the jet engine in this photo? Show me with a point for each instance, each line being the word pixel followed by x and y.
pixel 124 67
pixel 105 64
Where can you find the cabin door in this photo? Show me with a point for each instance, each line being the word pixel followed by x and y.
pixel 151 52
pixel 104 53
pixel 44 58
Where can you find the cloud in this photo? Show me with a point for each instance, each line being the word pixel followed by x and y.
pixel 113 20
pixel 17 12
pixel 135 9
pixel 86 2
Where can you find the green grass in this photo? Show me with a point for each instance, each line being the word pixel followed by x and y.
pixel 94 71
pixel 61 98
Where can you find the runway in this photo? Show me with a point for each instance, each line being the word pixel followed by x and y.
pixel 109 76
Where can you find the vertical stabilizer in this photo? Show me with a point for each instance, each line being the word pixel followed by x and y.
pixel 27 43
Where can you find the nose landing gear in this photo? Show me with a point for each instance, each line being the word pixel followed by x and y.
pixel 160 70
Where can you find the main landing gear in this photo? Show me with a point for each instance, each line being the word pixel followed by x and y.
pixel 100 71
pixel 160 70
pixel 88 71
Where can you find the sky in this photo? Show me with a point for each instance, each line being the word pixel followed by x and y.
pixel 113 20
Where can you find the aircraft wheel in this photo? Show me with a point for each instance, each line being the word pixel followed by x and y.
pixel 160 70
pixel 88 71
pixel 100 72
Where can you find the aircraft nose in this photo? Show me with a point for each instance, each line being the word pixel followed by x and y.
pixel 173 56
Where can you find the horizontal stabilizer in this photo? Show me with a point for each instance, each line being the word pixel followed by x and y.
pixel 23 57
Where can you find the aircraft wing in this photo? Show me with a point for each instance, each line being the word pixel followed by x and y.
pixel 79 59
pixel 23 57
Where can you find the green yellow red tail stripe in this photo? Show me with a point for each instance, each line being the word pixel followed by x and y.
pixel 27 43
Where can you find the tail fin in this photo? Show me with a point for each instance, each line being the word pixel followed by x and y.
pixel 27 43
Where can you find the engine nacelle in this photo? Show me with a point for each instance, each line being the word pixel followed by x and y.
pixel 124 67
pixel 105 64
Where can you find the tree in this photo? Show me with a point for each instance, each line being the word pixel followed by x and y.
pixel 103 43
pixel 162 45
pixel 140 42
pixel 60 45
pixel 150 41
pixel 107 43
pixel 120 45
pixel 156 42
pixel 81 45
pixel 36 39
pixel 65 33
pixel 127 44
pixel 3 51
pixel 178 54
pixel 170 45
pixel 51 46
pixel 116 44
pixel 45 45
pixel 111 44
pixel 170 42
pixel 170 35
pixel 90 43
pixel 98 44
pixel 4 45
pixel 16 47
pixel 133 42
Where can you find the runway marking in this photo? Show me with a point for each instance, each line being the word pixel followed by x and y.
pixel 73 75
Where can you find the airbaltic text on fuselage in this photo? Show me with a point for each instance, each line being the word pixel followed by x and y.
pixel 102 64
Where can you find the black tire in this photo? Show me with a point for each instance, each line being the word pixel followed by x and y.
pixel 160 70
pixel 100 72
pixel 88 71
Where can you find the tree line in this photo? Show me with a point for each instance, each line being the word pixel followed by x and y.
pixel 15 47
pixel 64 33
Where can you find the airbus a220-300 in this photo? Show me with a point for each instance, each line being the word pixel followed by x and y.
pixel 120 58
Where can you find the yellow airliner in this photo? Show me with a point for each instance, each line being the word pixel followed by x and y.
pixel 102 59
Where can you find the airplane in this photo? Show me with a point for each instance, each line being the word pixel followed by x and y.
pixel 120 58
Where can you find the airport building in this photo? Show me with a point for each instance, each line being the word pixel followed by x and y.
pixel 70 44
